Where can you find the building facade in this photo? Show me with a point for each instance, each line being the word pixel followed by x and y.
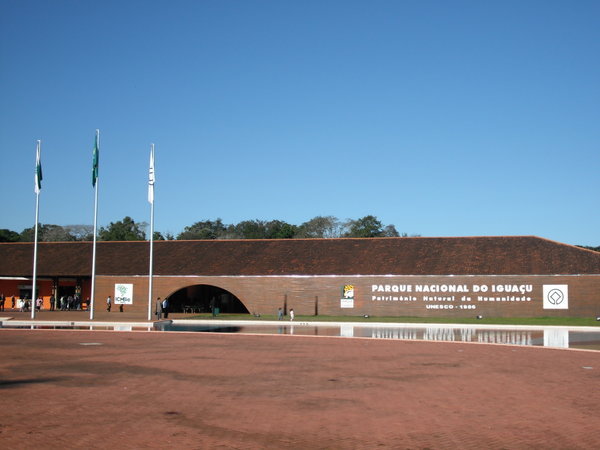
pixel 423 277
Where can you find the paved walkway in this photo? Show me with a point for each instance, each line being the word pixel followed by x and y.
pixel 100 389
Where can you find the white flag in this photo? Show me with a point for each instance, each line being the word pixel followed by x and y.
pixel 151 178
pixel 38 169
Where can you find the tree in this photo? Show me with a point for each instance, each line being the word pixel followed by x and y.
pixel 56 233
pixel 46 233
pixel 251 229
pixel 206 229
pixel 260 229
pixel 365 227
pixel 277 229
pixel 390 231
pixel 80 232
pixel 124 230
pixel 28 234
pixel 9 235
pixel 320 227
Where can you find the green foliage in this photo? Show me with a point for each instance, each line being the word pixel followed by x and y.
pixel 128 230
pixel 158 236
pixel 260 229
pixel 251 229
pixel 276 229
pixel 47 233
pixel 124 230
pixel 320 227
pixel 365 227
pixel 206 229
pixel 9 236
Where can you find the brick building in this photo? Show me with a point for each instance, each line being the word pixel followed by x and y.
pixel 427 277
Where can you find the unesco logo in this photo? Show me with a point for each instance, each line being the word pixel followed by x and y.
pixel 556 296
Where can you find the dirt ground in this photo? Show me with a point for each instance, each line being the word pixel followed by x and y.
pixel 102 389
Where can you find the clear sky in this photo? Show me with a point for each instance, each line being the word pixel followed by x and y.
pixel 444 118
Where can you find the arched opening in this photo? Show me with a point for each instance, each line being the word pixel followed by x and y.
pixel 204 298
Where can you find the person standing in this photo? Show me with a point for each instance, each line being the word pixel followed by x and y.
pixel 159 309
pixel 52 300
pixel 292 315
pixel 165 307
pixel 2 300
pixel 280 314
pixel 108 303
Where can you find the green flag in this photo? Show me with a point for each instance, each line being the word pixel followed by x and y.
pixel 95 159
pixel 38 168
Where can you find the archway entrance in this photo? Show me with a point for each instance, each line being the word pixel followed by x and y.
pixel 204 298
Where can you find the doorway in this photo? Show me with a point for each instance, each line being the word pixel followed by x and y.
pixel 204 298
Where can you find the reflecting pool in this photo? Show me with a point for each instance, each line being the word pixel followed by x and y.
pixel 555 337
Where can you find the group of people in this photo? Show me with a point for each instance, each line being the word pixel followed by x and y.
pixel 109 303
pixel 22 304
pixel 14 302
pixel 64 303
pixel 67 303
pixel 162 308
pixel 280 314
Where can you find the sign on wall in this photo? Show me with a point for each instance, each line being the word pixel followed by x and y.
pixel 347 300
pixel 457 295
pixel 123 294
pixel 556 296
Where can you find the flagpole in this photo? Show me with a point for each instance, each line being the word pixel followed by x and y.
pixel 151 200
pixel 95 179
pixel 37 214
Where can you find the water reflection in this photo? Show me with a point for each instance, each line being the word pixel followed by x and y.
pixel 547 337
pixel 169 325
pixel 555 337
pixel 488 336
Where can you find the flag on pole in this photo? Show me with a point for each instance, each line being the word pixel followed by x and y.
pixel 95 159
pixel 38 169
pixel 95 184
pixel 151 178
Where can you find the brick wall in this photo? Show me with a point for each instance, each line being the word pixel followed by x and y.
pixel 422 296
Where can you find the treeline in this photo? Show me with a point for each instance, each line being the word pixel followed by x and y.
pixel 49 233
pixel 129 230
pixel 596 249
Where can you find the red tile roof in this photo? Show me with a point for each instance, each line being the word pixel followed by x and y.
pixel 517 255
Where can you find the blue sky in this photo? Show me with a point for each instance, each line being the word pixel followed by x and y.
pixel 444 118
